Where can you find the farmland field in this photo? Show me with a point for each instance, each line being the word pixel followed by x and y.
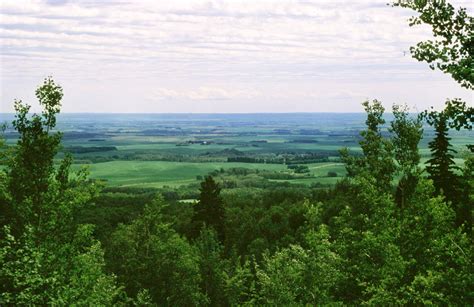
pixel 161 173
pixel 157 150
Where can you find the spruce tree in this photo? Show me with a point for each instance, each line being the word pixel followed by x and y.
pixel 210 208
pixel 441 166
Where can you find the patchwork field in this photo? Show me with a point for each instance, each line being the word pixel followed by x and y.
pixel 157 150
pixel 164 173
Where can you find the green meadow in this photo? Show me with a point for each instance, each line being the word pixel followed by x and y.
pixel 168 173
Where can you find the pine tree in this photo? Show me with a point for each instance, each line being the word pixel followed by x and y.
pixel 210 208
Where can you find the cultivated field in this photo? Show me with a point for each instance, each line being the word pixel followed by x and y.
pixel 157 150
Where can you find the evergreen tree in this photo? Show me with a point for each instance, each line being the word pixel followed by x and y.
pixel 452 51
pixel 210 208
pixel 441 166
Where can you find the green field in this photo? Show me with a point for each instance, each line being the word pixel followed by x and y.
pixel 173 150
pixel 163 173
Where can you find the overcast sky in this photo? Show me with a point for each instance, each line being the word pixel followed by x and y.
pixel 217 56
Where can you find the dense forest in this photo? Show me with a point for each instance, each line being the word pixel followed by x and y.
pixel 392 232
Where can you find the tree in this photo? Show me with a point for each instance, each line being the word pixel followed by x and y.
pixel 377 160
pixel 240 288
pixel 365 235
pixel 441 166
pixel 46 258
pixel 467 203
pixel 437 253
pixel 211 266
pixel 149 255
pixel 452 50
pixel 210 208
pixel 31 166
pixel 407 133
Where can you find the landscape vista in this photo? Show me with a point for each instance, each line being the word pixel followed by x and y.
pixel 228 153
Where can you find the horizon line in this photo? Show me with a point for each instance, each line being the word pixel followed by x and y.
pixel 203 113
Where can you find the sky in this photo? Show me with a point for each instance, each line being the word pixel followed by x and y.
pixel 221 56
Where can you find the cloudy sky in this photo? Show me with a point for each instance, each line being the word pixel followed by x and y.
pixel 217 56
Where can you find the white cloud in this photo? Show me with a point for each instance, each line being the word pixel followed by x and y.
pixel 262 54
pixel 203 93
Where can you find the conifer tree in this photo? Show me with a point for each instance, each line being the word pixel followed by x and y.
pixel 441 167
pixel 210 208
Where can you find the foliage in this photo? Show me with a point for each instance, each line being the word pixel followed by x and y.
pixel 210 209
pixel 149 243
pixel 252 241
pixel 407 133
pixel 452 48
pixel 441 166
pixel 211 266
pixel 47 258
pixel 377 158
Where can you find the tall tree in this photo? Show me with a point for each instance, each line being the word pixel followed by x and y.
pixel 210 208
pixel 442 169
pixel 46 258
pixel 451 51
pixel 407 133
pixel 31 166
pixel 441 166
pixel 377 160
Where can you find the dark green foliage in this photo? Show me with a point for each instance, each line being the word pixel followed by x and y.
pixel 209 210
pixel 211 266
pixel 149 254
pixel 299 169
pixel 441 166
pixel 82 149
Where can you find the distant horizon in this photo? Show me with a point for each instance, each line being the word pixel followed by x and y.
pixel 202 113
